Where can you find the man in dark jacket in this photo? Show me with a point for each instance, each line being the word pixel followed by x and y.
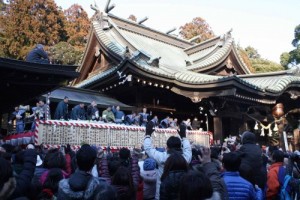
pixel 61 111
pixel 237 187
pixel 38 55
pixel 251 167
pixel 81 185
pixel 14 187
pixel 119 115
pixel 92 111
pixel 78 112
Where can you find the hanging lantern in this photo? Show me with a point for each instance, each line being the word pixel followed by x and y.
pixel 278 111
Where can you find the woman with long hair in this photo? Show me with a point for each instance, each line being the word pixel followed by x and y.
pixel 174 169
pixel 123 182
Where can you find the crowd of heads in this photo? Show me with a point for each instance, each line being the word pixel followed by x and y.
pixel 180 170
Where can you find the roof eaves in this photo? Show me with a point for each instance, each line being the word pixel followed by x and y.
pixel 95 78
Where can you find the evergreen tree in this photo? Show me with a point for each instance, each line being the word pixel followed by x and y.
pixel 27 23
pixel 78 25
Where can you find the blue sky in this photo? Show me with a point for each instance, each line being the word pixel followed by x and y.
pixel 267 25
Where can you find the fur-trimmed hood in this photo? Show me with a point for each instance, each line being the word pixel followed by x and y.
pixel 85 186
pixel 8 188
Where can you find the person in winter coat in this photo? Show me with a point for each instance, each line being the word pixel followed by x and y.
pixel 251 167
pixel 174 169
pixel 108 115
pixel 207 169
pixel 123 182
pixel 149 176
pixel 273 184
pixel 81 185
pixel 38 55
pixel 173 144
pixel 61 111
pixel 119 115
pixel 196 186
pixel 107 167
pixel 14 187
pixel 50 186
pixel 238 187
pixel 78 112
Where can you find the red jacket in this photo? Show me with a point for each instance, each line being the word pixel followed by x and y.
pixel 273 185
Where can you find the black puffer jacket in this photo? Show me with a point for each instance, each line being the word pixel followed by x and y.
pixel 252 163
pixel 23 180
pixel 169 187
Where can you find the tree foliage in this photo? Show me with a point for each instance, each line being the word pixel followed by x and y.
pixel 132 18
pixel 246 59
pixel 65 54
pixel 198 27
pixel 251 52
pixel 23 24
pixel 260 64
pixel 26 23
pixel 292 57
pixel 78 25
pixel 263 65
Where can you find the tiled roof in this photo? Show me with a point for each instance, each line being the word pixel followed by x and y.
pixel 273 82
pixel 175 56
pixel 95 78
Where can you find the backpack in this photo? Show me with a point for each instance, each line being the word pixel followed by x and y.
pixel 284 179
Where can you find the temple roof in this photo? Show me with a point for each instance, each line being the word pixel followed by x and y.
pixel 146 52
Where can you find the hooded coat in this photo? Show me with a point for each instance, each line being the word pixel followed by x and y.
pixel 81 185
pixel 252 163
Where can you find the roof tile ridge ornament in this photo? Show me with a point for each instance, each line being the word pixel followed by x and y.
pixel 127 54
pixel 102 16
pixel 154 61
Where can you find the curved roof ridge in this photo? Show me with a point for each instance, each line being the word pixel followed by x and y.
pixel 207 54
pixel 150 29
pixel 213 42
pixel 214 58
pixel 105 40
pixel 266 74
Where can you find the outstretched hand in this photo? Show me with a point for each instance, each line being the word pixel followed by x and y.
pixel 182 130
pixel 205 158
pixel 150 128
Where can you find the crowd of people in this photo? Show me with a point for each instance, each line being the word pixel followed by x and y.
pixel 178 172
pixel 112 114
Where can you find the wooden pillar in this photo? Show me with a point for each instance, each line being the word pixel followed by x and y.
pixel 218 128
